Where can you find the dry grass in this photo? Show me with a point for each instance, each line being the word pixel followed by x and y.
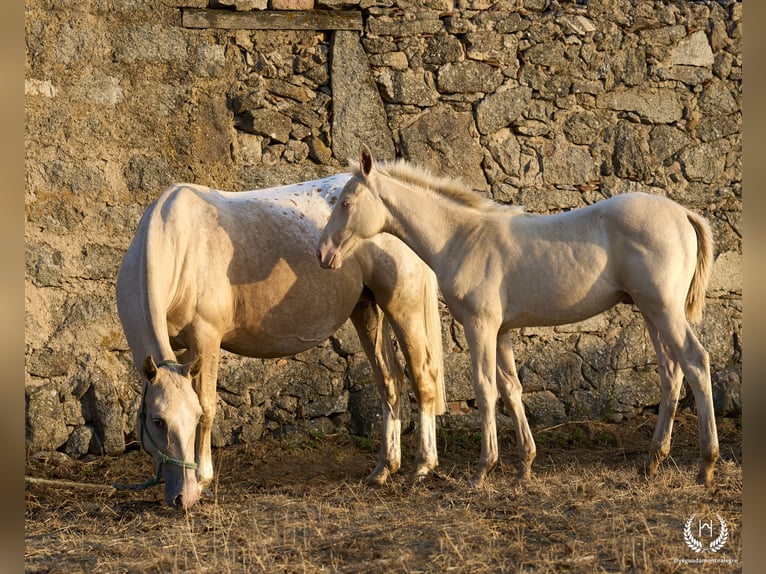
pixel 299 506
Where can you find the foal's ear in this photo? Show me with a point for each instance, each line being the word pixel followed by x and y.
pixel 193 368
pixel 365 160
pixel 149 368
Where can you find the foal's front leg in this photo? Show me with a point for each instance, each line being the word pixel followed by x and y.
pixel 482 339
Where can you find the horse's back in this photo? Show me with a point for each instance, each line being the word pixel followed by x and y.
pixel 638 211
pixel 568 266
pixel 200 225
pixel 651 228
pixel 251 268
pixel 244 263
pixel 622 220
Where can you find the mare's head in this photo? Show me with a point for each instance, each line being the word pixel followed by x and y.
pixel 167 426
pixel 358 215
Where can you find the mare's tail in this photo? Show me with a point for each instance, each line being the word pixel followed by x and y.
pixel 433 327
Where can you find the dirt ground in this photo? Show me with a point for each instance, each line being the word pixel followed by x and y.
pixel 300 505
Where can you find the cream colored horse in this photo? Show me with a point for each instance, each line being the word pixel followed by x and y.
pixel 209 269
pixel 500 268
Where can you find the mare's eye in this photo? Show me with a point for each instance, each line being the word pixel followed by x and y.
pixel 346 203
pixel 161 424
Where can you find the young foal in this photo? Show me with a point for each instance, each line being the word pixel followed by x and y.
pixel 209 269
pixel 500 268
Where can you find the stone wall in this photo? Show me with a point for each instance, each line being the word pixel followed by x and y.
pixel 553 105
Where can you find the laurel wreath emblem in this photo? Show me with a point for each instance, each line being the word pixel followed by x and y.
pixel 715 545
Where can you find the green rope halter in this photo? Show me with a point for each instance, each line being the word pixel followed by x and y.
pixel 164 457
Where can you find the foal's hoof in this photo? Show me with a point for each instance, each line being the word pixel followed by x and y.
pixel 650 470
pixel 477 480
pixel 705 476
pixel 523 473
pixel 523 479
pixel 423 469
pixel 378 477
pixel 481 473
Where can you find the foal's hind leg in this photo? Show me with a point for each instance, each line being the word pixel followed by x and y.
pixel 369 322
pixel 676 336
pixel 510 389
pixel 671 378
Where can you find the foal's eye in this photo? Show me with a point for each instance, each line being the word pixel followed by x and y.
pixel 160 423
pixel 346 203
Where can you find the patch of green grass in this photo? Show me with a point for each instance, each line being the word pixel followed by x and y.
pixel 312 440
pixel 364 443
pixel 315 439
pixel 577 435
pixel 453 440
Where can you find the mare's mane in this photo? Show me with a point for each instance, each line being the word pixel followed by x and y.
pixel 451 188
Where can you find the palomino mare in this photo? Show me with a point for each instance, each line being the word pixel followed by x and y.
pixel 500 268
pixel 209 269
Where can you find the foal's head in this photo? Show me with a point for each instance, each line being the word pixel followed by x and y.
pixel 167 426
pixel 358 215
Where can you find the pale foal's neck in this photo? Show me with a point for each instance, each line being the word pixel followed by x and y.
pixel 426 221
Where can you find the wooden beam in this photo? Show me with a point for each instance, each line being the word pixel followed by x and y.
pixel 273 20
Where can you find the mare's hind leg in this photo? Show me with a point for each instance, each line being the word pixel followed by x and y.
pixel 423 373
pixel 368 320
pixel 408 294
pixel 677 338
pixel 671 378
pixel 510 389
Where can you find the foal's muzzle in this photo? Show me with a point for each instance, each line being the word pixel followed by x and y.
pixel 329 256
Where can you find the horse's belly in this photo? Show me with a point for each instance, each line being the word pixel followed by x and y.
pixel 557 312
pixel 268 346
pixel 275 322
pixel 267 340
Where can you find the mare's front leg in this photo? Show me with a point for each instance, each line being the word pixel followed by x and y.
pixel 482 339
pixel 207 345
pixel 368 321
pixel 510 389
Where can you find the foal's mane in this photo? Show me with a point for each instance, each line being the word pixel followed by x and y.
pixel 451 188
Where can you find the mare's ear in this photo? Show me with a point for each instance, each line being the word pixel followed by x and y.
pixel 365 160
pixel 149 368
pixel 192 368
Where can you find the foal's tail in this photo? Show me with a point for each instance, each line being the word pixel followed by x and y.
pixel 433 327
pixel 695 298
